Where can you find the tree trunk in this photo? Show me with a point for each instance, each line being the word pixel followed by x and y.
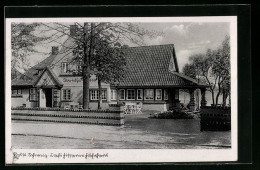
pixel 229 99
pixel 85 88
pixel 86 70
pixel 224 98
pixel 213 97
pixel 217 97
pixel 99 94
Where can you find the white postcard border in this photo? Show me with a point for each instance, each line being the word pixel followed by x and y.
pixel 124 155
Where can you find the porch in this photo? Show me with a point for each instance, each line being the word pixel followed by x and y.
pixel 159 98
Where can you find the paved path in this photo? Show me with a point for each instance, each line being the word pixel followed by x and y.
pixel 139 132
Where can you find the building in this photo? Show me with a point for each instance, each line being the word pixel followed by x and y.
pixel 152 78
pixel 15 74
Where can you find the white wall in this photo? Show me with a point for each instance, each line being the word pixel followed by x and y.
pixel 19 101
pixel 42 98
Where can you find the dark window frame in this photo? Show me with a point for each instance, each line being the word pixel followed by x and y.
pixel 35 94
pixel 62 93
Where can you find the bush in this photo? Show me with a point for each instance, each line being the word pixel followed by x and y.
pixel 173 115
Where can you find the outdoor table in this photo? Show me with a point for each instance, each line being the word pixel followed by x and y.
pixel 130 108
pixel 71 105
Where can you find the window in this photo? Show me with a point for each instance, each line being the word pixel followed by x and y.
pixel 104 94
pixel 139 94
pixel 113 94
pixel 165 94
pixel 94 94
pixel 158 93
pixel 148 94
pixel 176 94
pixel 17 93
pixel 78 68
pixel 64 67
pixel 33 94
pixel 130 94
pixel 14 91
pixel 66 94
pixel 122 94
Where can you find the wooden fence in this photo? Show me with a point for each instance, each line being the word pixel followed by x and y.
pixel 215 118
pixel 112 117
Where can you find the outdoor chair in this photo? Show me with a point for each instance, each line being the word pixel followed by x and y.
pixel 66 107
pixel 132 109
pixel 125 109
pixel 139 108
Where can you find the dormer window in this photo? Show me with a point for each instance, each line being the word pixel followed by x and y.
pixel 38 72
pixel 64 67
pixel 79 68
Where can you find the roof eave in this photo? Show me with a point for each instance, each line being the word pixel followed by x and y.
pixel 22 85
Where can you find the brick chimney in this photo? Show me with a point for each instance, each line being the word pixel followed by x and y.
pixel 73 30
pixel 54 50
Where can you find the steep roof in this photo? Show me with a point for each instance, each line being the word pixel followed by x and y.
pixel 15 73
pixel 52 75
pixel 32 75
pixel 42 65
pixel 149 66
pixel 22 82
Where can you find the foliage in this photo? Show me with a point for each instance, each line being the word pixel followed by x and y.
pixel 109 63
pixel 189 70
pixel 176 114
pixel 214 68
pixel 97 48
pixel 23 40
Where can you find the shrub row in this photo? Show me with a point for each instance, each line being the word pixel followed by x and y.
pixel 173 115
pixel 62 121
pixel 69 116
pixel 68 110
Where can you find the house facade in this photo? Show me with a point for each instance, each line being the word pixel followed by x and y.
pixel 152 78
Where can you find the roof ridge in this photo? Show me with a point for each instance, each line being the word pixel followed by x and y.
pixel 35 66
pixel 152 45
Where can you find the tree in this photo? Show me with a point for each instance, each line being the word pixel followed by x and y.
pixel 221 68
pixel 23 41
pixel 109 64
pixel 196 69
pixel 214 68
pixel 86 38
pixel 207 74
pixel 189 70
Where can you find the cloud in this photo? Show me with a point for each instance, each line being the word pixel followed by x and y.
pixel 200 44
pixel 154 41
pixel 179 29
pixel 190 49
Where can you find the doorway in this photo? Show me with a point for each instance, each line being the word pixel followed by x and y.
pixel 48 95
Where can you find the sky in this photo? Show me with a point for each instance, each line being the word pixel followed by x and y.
pixel 188 38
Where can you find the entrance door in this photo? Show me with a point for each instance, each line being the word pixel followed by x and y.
pixel 48 95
